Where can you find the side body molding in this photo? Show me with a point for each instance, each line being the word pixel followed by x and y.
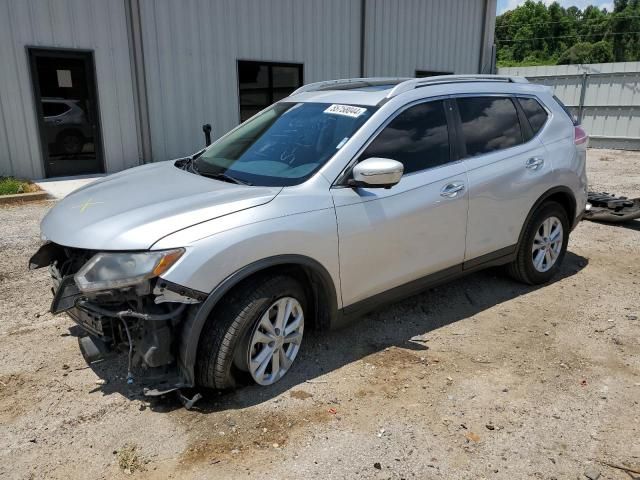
pixel 326 308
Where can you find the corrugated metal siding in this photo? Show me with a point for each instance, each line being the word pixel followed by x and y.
pixel 611 111
pixel 409 35
pixel 191 48
pixel 96 25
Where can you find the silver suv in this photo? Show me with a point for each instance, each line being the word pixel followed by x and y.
pixel 347 194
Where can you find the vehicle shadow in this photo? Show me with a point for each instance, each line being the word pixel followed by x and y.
pixel 395 325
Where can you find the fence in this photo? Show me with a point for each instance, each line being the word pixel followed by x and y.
pixel 605 97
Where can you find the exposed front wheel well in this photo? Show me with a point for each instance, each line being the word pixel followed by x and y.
pixel 313 283
pixel 315 279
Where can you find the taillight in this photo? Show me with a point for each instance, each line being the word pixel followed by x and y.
pixel 580 136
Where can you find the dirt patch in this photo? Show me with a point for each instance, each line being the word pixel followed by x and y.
pixel 249 435
pixel 18 394
pixel 396 358
pixel 300 394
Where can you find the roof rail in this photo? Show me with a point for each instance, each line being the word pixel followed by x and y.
pixel 349 83
pixel 442 79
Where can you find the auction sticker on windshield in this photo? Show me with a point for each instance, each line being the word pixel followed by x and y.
pixel 346 110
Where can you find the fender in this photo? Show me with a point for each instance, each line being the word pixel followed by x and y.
pixel 197 317
pixel 545 196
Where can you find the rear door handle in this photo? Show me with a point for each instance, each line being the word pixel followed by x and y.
pixel 534 163
pixel 452 190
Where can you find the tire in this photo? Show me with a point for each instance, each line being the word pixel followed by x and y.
pixel 525 268
pixel 223 360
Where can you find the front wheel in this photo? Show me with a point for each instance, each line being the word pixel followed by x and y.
pixel 255 334
pixel 543 245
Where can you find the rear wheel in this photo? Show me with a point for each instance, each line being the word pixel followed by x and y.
pixel 543 245
pixel 254 335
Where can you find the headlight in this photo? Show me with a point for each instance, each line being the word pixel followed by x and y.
pixel 116 270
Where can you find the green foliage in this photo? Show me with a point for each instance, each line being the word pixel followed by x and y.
pixel 585 52
pixel 602 52
pixel 10 185
pixel 537 34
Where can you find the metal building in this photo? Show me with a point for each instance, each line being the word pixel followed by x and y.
pixel 89 86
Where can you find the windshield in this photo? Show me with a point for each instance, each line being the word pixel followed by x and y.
pixel 285 144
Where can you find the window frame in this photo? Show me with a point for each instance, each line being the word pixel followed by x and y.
pixel 422 73
pixel 269 88
pixel 525 128
pixel 454 152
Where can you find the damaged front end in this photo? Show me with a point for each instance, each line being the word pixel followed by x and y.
pixel 120 301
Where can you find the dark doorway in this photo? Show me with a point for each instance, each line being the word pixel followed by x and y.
pixel 64 89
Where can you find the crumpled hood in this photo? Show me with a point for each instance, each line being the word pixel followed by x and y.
pixel 133 209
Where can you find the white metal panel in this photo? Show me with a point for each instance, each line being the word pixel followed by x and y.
pixel 96 25
pixel 409 35
pixel 611 108
pixel 191 49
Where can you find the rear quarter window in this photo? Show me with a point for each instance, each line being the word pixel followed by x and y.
pixel 573 119
pixel 534 112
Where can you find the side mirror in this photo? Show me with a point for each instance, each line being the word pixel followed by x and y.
pixel 377 173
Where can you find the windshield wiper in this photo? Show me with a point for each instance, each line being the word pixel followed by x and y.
pixel 189 164
pixel 223 176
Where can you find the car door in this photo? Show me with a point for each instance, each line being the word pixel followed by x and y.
pixel 508 170
pixel 390 237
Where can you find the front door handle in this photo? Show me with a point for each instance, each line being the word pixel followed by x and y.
pixel 534 163
pixel 452 190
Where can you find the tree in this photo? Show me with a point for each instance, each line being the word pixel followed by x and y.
pixel 585 52
pixel 620 23
pixel 601 52
pixel 578 53
pixel 537 34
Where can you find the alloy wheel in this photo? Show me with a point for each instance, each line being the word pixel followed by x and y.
pixel 276 341
pixel 547 244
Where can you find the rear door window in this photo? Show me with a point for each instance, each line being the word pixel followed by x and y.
pixel 534 112
pixel 488 124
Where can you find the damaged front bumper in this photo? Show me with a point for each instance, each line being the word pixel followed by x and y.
pixel 144 321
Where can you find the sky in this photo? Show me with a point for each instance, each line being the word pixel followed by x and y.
pixel 504 5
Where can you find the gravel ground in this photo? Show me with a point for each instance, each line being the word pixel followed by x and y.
pixel 481 378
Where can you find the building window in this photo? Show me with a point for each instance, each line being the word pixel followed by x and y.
pixel 262 83
pixel 430 73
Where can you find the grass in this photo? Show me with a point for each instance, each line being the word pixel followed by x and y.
pixel 10 186
pixel 128 459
